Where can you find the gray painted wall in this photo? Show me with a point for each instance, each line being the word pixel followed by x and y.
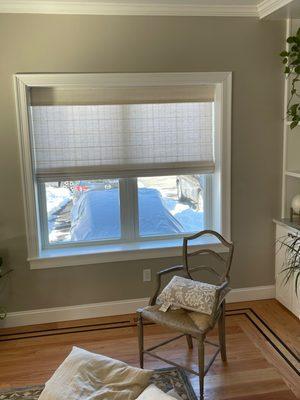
pixel 248 47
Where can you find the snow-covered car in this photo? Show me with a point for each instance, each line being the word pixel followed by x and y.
pixel 96 215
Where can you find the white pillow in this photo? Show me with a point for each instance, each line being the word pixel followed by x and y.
pixel 153 393
pixel 84 375
pixel 174 394
pixel 188 294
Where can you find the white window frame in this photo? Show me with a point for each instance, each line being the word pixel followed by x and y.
pixel 156 248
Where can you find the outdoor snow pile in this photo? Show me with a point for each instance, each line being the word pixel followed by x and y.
pixel 57 198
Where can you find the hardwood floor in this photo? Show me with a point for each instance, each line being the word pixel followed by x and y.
pixel 263 345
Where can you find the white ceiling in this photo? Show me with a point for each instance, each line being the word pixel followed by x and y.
pixel 243 8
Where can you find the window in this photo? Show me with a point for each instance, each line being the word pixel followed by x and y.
pixel 81 211
pixel 90 210
pixel 128 160
pixel 170 205
pixel 139 138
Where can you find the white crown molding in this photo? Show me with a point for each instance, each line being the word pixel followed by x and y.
pixel 86 7
pixel 267 7
pixel 120 307
pixel 168 8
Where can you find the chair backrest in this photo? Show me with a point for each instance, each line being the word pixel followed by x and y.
pixel 186 270
pixel 187 255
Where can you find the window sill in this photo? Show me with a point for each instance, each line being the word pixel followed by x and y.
pixel 88 255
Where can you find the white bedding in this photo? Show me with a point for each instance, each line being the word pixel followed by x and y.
pixel 88 376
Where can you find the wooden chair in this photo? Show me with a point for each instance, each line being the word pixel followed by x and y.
pixel 180 320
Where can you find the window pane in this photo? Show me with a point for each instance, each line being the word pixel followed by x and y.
pixel 79 211
pixel 171 204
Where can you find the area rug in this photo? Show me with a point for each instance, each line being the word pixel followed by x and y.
pixel 165 378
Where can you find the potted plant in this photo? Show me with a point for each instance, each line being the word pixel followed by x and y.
pixel 291 61
pixel 3 273
pixel 291 263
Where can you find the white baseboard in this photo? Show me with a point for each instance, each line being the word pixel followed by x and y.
pixel 251 293
pixel 120 307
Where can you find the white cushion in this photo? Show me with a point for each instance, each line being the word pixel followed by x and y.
pixel 189 294
pixel 174 394
pixel 88 376
pixel 153 393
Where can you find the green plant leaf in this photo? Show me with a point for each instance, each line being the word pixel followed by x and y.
pixel 284 54
pixel 294 62
pixel 294 124
pixel 291 263
pixel 293 108
pixel 296 283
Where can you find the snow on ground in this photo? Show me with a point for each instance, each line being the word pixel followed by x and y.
pixel 190 219
pixel 57 198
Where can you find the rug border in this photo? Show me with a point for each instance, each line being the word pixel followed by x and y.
pixel 190 391
pixel 185 379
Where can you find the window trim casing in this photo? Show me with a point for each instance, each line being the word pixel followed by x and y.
pixel 222 175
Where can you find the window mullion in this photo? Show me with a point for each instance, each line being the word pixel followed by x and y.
pixel 129 209
pixel 123 208
pixel 43 220
pixel 135 207
pixel 207 202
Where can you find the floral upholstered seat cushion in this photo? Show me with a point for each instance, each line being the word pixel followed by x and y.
pixel 189 294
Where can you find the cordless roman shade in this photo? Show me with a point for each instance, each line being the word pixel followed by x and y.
pixel 130 131
pixel 64 96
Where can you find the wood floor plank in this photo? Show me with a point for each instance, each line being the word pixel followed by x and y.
pixel 255 370
pixel 283 322
pixel 274 358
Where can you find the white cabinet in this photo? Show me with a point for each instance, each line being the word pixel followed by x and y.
pixel 285 292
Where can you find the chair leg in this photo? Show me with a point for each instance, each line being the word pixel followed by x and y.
pixel 222 334
pixel 189 341
pixel 201 365
pixel 141 339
